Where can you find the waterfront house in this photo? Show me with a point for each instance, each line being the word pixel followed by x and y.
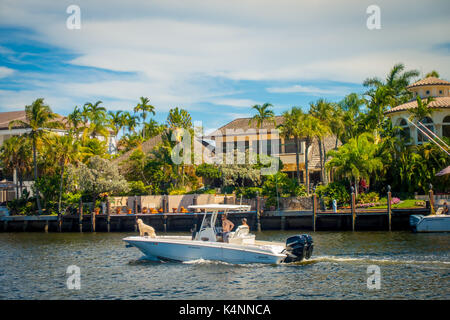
pixel 438 122
pixel 240 132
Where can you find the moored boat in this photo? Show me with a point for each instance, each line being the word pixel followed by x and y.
pixel 431 223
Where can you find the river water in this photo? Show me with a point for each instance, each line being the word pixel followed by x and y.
pixel 412 266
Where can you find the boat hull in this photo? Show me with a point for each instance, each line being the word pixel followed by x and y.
pixel 184 249
pixel 434 223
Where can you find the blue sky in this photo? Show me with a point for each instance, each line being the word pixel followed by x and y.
pixel 215 58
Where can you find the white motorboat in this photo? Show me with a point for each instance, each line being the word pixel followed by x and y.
pixel 431 223
pixel 206 244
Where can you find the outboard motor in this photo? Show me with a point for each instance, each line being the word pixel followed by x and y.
pixel 298 247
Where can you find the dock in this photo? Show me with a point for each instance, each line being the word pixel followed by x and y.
pixel 343 220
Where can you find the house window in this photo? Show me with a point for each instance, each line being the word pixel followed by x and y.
pixel 289 146
pixel 426 125
pixel 428 92
pixel 446 127
pixel 405 133
pixel 440 91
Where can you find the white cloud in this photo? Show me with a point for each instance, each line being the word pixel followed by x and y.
pixel 4 72
pixel 307 89
pixel 182 50
pixel 241 103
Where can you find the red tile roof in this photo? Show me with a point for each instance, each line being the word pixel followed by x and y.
pixel 439 102
pixel 429 81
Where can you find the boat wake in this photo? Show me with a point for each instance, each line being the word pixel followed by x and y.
pixel 369 260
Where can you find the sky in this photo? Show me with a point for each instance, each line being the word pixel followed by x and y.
pixel 215 59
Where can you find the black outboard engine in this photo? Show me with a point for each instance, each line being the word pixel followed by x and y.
pixel 298 248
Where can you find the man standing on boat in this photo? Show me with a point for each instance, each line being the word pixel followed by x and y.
pixel 227 226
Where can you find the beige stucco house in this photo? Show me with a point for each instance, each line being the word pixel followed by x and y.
pixel 439 122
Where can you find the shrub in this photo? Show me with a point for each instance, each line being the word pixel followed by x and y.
pixel 138 188
pixel 368 197
pixel 270 201
pixel 176 191
pixel 286 187
pixel 333 190
pixel 248 192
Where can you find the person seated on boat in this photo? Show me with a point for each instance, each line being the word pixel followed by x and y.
pixel 446 211
pixel 227 226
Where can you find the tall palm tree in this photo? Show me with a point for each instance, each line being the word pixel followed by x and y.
pixel 263 114
pixel 74 120
pixel 97 116
pixel 144 106
pixel 66 149
pixel 309 129
pixel 396 82
pixel 131 122
pixel 39 118
pixel 323 111
pixel 351 106
pixel 290 128
pixel 116 121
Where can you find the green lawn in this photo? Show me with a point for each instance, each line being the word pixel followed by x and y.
pixel 408 203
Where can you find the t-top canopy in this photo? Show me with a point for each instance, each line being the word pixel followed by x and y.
pixel 221 207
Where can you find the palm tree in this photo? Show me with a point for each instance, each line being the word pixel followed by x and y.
pixel 263 114
pixel 356 159
pixel 116 121
pixel 145 107
pixel 351 106
pixel 423 110
pixel 66 150
pixel 39 117
pixel 153 128
pixel 290 128
pixel 323 111
pixel 309 128
pixel 396 82
pixel 131 122
pixel 74 119
pixel 433 73
pixel 15 155
pixel 97 117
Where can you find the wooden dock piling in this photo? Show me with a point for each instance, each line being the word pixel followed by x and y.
pixel 59 222
pixel 93 221
pixel 314 209
pixel 389 210
pixel 353 204
pixel 258 212
pixel 80 215
pixel 108 215
pixel 431 196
